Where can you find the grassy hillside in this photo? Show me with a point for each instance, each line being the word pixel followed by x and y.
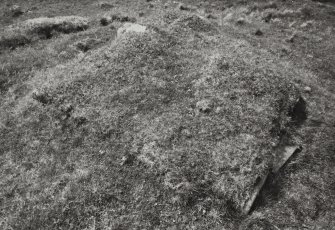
pixel 175 127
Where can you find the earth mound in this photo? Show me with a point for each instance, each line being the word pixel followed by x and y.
pixel 150 130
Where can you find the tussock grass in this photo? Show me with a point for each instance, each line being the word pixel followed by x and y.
pixel 40 28
pixel 19 65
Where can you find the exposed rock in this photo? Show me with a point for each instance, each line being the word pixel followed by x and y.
pixel 131 27
pixel 307 89
pixel 241 21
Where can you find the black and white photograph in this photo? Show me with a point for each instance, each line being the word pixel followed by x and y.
pixel 167 115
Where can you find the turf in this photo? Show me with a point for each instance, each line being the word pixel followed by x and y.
pixel 172 128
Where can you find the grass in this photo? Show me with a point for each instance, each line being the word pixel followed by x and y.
pixel 40 28
pixel 145 114
pixel 169 129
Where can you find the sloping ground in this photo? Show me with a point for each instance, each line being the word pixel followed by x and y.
pixel 173 127
pixel 299 197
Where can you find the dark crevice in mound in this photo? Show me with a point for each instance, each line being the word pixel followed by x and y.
pixel 299 112
pixel 45 33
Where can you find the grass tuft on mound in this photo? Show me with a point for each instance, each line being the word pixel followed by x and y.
pixel 40 28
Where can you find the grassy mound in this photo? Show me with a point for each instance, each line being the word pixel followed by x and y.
pixel 172 125
pixel 40 28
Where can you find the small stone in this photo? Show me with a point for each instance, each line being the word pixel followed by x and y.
pixel 211 16
pixel 307 89
pixel 276 20
pixel 218 110
pixel 204 106
pixel 306 24
pixel 267 18
pixel 186 133
pixel 16 10
pixel 186 8
pixel 82 46
pixel 259 32
pixel 42 97
pixel 240 21
pixel 105 5
pixel 274 144
pixel 127 160
pixel 286 50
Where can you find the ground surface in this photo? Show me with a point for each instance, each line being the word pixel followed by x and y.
pixel 172 128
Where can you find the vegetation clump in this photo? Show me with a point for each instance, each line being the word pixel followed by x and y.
pixel 40 28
